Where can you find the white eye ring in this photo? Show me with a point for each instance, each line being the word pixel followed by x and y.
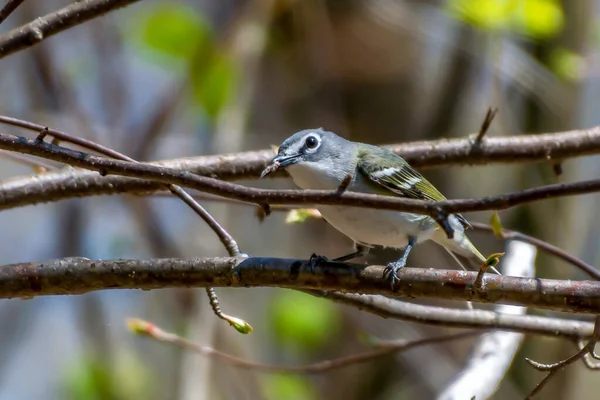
pixel 311 142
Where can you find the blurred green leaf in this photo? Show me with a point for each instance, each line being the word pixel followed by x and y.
pixel 288 387
pixel 304 321
pixel 174 29
pixel 537 19
pixel 89 379
pixel 484 14
pixel 214 83
pixel 566 64
pixel 540 19
pixel 496 224
pixel 301 215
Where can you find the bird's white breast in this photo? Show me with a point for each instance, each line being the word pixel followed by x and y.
pixel 363 225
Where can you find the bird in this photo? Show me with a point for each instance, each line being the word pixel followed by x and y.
pixel 321 160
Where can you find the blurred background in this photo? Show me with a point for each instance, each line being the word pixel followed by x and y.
pixel 167 79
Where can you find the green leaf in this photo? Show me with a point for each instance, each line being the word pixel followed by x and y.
pixel 496 225
pixel 567 64
pixel 88 378
pixel 539 19
pixel 484 14
pixel 493 259
pixel 301 215
pixel 536 19
pixel 304 321
pixel 214 84
pixel 174 29
pixel 288 387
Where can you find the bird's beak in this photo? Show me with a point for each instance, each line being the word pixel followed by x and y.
pixel 280 161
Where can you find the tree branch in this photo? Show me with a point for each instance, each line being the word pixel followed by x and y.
pixel 421 154
pixel 9 8
pixel 495 350
pixel 141 327
pixel 390 308
pixel 80 275
pixel 42 28
pixel 262 196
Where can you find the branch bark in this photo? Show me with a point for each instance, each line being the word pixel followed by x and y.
pixel 80 275
pixel 261 196
pixel 42 28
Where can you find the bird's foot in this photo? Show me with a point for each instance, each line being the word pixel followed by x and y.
pixel 390 272
pixel 316 259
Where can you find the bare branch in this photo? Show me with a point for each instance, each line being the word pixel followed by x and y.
pixel 422 154
pixel 42 28
pixel 560 365
pixel 226 239
pixel 431 315
pixel 485 125
pixel 495 351
pixel 152 331
pixel 79 275
pixel 262 196
pixel 545 246
pixel 9 8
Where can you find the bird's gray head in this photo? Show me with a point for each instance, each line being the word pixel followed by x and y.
pixel 307 146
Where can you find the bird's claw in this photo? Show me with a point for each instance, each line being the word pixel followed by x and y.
pixel 390 272
pixel 316 259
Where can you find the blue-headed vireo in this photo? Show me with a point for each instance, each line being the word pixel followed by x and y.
pixel 318 159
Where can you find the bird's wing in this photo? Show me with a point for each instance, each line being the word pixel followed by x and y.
pixel 396 175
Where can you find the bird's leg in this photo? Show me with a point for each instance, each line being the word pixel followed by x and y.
pixel 395 266
pixel 360 250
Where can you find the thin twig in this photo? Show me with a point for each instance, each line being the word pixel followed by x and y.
pixel 560 365
pixel 263 196
pixel 485 125
pixel 545 246
pixel 152 331
pixel 42 28
pixel 9 8
pixel 226 239
pixel 442 316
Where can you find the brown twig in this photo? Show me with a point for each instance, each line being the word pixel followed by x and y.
pixel 42 28
pixel 423 154
pixel 9 8
pixel 152 331
pixel 262 196
pixel 485 125
pixel 545 246
pixel 553 368
pixel 76 276
pixel 226 239
pixel 442 316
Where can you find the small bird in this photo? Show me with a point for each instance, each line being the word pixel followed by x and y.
pixel 318 159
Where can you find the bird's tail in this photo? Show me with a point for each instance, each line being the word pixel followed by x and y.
pixel 460 247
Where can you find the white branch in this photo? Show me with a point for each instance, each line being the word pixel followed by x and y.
pixel 494 352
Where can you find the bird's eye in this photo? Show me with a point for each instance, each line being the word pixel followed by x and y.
pixel 311 142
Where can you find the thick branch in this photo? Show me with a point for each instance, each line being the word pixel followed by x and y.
pixel 386 307
pixel 42 28
pixel 261 196
pixel 79 275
